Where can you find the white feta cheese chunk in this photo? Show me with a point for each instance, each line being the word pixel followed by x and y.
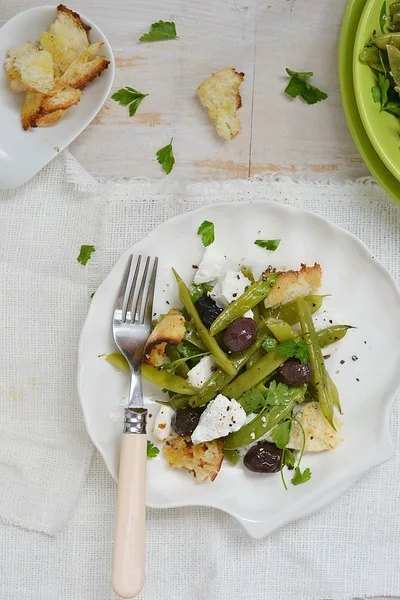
pixel 162 423
pixel 229 287
pixel 249 314
pixel 221 417
pixel 211 265
pixel 202 371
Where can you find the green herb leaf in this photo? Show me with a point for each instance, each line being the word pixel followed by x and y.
pixel 269 344
pixel 206 230
pixel 299 86
pixel 196 292
pixel 384 84
pixel 152 450
pixel 281 434
pixel 162 30
pixel 277 394
pixel 268 244
pixel 376 93
pixel 383 18
pixel 85 254
pixel 289 459
pixel 252 401
pixel 301 476
pixel 290 348
pixel 92 294
pixel 165 157
pixel 129 96
pixel 172 365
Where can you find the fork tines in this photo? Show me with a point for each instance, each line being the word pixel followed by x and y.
pixel 135 296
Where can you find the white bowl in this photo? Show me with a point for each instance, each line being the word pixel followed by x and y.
pixel 363 295
pixel 24 153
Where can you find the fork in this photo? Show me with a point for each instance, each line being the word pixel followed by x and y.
pixel 131 328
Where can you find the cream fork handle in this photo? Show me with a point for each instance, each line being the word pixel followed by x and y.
pixel 128 570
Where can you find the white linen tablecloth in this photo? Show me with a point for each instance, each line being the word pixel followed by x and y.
pixel 348 550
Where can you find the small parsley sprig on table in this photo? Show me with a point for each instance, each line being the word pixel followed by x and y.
pixel 206 230
pixel 162 30
pixel 85 254
pixel 300 86
pixel 268 244
pixel 165 157
pixel 129 96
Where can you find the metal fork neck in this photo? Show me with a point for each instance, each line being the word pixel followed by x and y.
pixel 135 420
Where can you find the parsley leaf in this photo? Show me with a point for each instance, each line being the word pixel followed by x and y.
pixel 376 93
pixel 206 230
pixel 289 459
pixel 301 476
pixel 165 157
pixel 269 344
pixel 162 30
pixel 85 254
pixel 129 96
pixel 252 401
pixel 152 450
pixel 196 292
pixel 281 434
pixel 290 348
pixel 277 394
pixel 299 86
pixel 268 244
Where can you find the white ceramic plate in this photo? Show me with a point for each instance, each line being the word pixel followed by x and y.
pixel 24 153
pixel 363 294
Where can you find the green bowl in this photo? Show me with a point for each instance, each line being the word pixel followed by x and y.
pixel 383 129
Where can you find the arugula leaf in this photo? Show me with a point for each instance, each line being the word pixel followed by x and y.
pixel 281 434
pixel 299 86
pixel 179 361
pixel 196 292
pixel 268 244
pixel 162 30
pixel 206 230
pixel 252 401
pixel 301 476
pixel 277 394
pixel 269 344
pixel 290 348
pixel 152 450
pixel 85 254
pixel 383 18
pixel 128 95
pixel 165 157
pixel 289 459
pixel 376 93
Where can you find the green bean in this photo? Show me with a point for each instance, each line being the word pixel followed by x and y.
pixel 266 420
pixel 181 369
pixel 248 272
pixel 255 358
pixel 118 361
pixel 280 329
pixel 288 312
pixel 166 380
pixel 394 8
pixel 335 394
pixel 176 402
pixel 319 378
pixel 394 62
pixel 220 357
pixel 232 456
pixel 220 379
pixel 332 334
pixel 387 39
pixel 258 372
pixel 251 297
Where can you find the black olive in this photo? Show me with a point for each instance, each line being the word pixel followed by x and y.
pixel 185 420
pixel 208 310
pixel 263 458
pixel 294 372
pixel 240 334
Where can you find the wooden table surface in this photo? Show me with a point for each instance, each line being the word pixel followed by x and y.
pixel 257 37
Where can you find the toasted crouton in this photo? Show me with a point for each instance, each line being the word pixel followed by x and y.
pixel 60 100
pixel 31 109
pixel 66 39
pixel 319 434
pixel 170 330
pixel 219 93
pixel 36 71
pixel 203 460
pixel 294 284
pixel 50 118
pixel 81 72
pixel 13 75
